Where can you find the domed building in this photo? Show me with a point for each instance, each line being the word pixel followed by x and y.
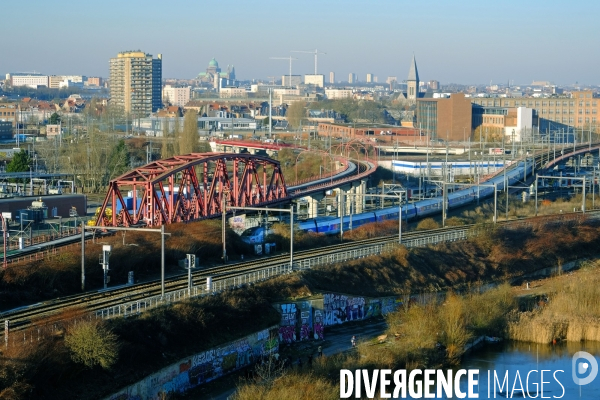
pixel 213 73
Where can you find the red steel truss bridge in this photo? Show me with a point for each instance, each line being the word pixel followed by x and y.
pixel 191 187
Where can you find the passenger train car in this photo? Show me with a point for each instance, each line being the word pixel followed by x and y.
pixel 410 211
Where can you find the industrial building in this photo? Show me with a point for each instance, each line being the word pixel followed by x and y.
pixel 579 110
pixel 156 126
pixel 446 119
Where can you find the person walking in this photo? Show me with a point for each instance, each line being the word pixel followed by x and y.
pixel 353 341
pixel 320 351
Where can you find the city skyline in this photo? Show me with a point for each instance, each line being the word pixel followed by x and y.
pixel 460 42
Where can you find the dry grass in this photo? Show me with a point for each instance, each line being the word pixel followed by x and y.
pixel 60 275
pixel 422 328
pixel 570 312
pixel 519 209
pixel 426 224
pixel 292 386
pixel 432 335
pixel 147 343
pixel 494 254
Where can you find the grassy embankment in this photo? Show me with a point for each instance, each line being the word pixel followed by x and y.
pixel 420 336
pixel 434 335
pixel 60 275
pixel 45 367
pixel 564 309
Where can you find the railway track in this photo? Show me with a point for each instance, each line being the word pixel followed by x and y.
pixel 94 301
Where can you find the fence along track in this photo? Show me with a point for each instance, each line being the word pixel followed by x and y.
pixel 233 277
pixel 221 283
pixel 231 280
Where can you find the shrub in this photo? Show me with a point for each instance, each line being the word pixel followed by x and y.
pixel 426 224
pixel 291 386
pixel 92 344
pixel 455 221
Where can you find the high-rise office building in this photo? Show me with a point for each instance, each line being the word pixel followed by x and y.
pixel 136 82
pixel 332 77
pixel 351 77
pixel 369 78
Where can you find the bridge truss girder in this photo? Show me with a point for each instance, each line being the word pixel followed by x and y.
pixel 203 178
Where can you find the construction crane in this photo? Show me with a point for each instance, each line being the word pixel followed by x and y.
pixel 286 58
pixel 316 52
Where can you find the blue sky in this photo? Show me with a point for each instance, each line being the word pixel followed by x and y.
pixel 454 41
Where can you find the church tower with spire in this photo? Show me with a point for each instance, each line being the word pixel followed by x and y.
pixel 412 83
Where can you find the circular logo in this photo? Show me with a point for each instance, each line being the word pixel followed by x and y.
pixel 584 364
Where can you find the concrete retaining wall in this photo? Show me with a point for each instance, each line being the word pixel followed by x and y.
pixel 199 368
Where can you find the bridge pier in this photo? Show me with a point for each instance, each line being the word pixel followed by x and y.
pixel 341 198
pixel 350 203
pixel 355 199
pixel 313 204
pixel 360 201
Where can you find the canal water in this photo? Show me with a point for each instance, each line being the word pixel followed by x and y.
pixel 517 360
pixel 510 363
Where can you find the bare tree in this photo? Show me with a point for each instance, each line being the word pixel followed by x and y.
pixel 188 142
pixel 295 113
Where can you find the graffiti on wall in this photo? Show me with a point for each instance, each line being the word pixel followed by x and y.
pixel 374 308
pixel 306 320
pixel 339 308
pixel 287 325
pixel 390 304
pixel 318 328
pixel 202 367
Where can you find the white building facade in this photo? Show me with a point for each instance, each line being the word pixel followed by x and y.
pixel 317 80
pixel 177 96
pixel 29 80
pixel 338 93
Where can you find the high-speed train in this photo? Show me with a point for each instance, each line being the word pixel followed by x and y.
pixel 410 211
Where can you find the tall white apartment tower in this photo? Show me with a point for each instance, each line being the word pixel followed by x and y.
pixel 136 82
